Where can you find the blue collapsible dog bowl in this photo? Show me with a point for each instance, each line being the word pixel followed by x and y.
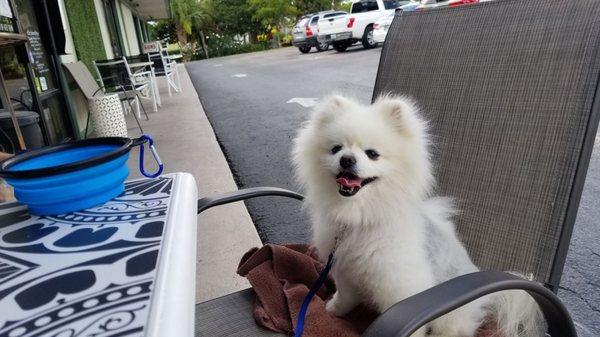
pixel 72 176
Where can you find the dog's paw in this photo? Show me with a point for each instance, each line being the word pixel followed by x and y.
pixel 336 307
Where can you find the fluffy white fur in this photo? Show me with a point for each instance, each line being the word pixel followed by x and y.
pixel 395 240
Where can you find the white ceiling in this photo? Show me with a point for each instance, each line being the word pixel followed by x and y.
pixel 151 9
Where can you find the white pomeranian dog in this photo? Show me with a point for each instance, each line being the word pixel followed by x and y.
pixel 367 176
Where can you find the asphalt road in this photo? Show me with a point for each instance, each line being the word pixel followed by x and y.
pixel 256 102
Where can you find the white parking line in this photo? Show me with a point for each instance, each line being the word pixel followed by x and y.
pixel 239 75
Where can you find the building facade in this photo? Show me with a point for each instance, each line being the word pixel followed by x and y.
pixel 61 31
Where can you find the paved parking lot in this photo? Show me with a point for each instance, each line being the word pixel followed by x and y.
pixel 257 101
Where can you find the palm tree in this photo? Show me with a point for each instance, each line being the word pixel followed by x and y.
pixel 189 15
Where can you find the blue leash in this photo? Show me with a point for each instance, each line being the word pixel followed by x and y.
pixel 310 295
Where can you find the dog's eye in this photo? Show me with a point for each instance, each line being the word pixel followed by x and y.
pixel 372 154
pixel 335 149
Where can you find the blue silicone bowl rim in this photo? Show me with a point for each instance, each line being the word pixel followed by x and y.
pixel 124 144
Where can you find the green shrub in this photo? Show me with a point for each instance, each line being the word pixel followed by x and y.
pixel 86 31
pixel 223 45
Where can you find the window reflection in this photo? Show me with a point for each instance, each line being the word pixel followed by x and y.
pixel 15 78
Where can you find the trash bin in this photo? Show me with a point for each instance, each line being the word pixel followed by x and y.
pixel 28 121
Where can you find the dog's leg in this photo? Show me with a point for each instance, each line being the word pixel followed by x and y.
pixel 345 298
pixel 461 322
pixel 397 285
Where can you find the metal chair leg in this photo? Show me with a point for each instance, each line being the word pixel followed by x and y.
pixel 178 79
pixel 169 82
pixel 137 107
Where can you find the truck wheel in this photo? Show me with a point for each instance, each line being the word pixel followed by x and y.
pixel 322 46
pixel 367 40
pixel 304 49
pixel 340 46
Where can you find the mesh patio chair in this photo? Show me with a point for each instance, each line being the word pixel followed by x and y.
pixel 511 90
pixel 116 74
pixel 90 88
pixel 164 66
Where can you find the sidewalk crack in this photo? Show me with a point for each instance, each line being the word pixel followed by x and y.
pixel 586 301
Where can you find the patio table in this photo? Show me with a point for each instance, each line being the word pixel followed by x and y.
pixel 125 268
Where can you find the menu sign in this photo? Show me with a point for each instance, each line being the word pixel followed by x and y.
pixel 5 17
pixel 5 9
pixel 38 59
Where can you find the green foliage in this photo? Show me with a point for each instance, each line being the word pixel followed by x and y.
pixel 265 21
pixel 272 13
pixel 164 29
pixel 343 6
pixel 191 14
pixel 86 32
pixel 223 45
pixel 234 17
pixel 11 68
pixel 312 6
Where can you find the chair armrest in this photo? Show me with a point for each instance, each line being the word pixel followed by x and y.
pixel 146 73
pixel 405 317
pixel 247 193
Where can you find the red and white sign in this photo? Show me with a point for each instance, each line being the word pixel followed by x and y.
pixel 151 47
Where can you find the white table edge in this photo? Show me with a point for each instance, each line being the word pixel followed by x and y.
pixel 173 300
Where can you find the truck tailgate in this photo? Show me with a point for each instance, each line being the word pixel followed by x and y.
pixel 333 25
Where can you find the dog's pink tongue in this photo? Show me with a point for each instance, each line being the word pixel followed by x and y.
pixel 349 182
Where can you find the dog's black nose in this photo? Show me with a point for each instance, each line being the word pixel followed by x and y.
pixel 347 162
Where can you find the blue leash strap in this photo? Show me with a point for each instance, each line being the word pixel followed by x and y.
pixel 144 138
pixel 310 295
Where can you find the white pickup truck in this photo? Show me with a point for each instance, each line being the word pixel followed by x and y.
pixel 343 31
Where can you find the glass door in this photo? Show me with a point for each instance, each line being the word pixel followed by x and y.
pixel 44 91
pixel 110 12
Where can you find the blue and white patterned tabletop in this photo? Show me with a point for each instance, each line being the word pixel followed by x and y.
pixel 88 273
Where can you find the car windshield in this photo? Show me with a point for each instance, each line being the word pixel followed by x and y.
pixel 391 4
pixel 302 22
pixel 364 6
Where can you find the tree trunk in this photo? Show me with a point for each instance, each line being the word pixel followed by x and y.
pixel 181 35
pixel 203 40
pixel 253 38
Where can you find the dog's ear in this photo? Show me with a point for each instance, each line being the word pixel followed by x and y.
pixel 401 112
pixel 329 107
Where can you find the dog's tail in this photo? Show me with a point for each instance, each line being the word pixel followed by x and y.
pixel 518 314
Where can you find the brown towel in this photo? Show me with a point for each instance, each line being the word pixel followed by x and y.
pixel 282 276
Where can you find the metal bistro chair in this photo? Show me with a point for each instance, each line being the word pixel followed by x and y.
pixel 164 66
pixel 115 74
pixel 511 90
pixel 91 90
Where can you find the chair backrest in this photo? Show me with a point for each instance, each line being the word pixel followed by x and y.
pixel 159 62
pixel 164 46
pixel 510 88
pixel 113 74
pixel 83 78
pixel 136 58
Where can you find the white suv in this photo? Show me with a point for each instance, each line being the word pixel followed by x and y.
pixel 359 23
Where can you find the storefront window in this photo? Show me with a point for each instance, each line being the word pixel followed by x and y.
pixel 30 73
pixel 38 56
pixel 15 77
pixel 113 27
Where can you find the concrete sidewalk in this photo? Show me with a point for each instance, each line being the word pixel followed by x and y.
pixel 186 142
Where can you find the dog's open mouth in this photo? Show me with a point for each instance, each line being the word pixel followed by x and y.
pixel 349 183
